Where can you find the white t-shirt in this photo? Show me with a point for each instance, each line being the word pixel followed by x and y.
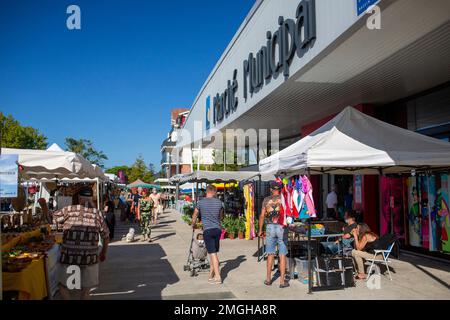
pixel 332 200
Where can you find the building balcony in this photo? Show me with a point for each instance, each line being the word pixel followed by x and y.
pixel 168 144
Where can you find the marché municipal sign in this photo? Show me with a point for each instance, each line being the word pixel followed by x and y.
pixel 293 37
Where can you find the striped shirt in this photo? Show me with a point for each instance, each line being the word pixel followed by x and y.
pixel 82 229
pixel 210 209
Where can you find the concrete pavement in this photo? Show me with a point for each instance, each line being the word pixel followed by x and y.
pixel 143 270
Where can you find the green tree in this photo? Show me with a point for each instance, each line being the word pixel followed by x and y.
pixel 14 135
pixel 139 170
pixel 217 154
pixel 85 148
pixel 115 170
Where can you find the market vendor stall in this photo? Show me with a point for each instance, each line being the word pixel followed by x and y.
pixel 30 248
pixel 353 143
pixel 240 205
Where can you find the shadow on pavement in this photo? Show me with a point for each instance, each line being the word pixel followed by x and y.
pixel 162 236
pixel 134 272
pixel 230 265
pixel 421 263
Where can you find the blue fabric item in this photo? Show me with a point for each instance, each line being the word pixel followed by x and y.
pixel 276 235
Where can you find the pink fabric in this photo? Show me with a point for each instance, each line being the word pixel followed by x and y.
pixel 307 189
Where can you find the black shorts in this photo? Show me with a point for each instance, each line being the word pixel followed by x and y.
pixel 212 240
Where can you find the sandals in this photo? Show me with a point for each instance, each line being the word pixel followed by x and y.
pixel 267 283
pixel 284 285
pixel 214 281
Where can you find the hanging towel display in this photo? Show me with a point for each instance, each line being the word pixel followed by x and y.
pixel 249 196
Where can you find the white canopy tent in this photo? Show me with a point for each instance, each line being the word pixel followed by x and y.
pixel 219 176
pixel 43 164
pixel 55 147
pixel 50 165
pixel 355 143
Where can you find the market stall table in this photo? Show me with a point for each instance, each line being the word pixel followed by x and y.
pixel 35 280
pixel 29 282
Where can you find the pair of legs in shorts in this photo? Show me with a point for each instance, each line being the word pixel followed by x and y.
pixel 276 235
pixel 69 279
pixel 156 211
pixel 212 243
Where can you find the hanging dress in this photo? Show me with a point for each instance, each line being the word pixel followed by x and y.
pixel 309 201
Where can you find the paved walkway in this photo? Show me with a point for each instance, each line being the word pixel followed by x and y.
pixel 143 270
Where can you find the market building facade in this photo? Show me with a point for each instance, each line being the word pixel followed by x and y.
pixel 293 65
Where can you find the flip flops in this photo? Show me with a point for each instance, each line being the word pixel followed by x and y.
pixel 267 283
pixel 284 285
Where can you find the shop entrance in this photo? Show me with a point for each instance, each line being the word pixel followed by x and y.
pixel 393 207
pixel 344 192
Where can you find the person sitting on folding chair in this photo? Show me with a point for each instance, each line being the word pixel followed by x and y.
pixel 366 242
pixel 347 238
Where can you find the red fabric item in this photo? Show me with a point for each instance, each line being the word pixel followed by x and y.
pixel 444 234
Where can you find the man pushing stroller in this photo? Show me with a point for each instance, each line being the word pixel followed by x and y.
pixel 211 210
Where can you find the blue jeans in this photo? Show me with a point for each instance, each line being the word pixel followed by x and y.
pixel 335 248
pixel 331 247
pixel 276 235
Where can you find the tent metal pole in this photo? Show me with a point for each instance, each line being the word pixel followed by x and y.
pixel 309 250
pixel 98 194
pixel 196 192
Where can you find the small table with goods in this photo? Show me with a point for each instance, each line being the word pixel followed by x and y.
pixel 29 263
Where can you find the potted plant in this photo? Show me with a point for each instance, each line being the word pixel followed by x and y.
pixel 232 229
pixel 228 224
pixel 188 210
pixel 241 227
pixel 186 219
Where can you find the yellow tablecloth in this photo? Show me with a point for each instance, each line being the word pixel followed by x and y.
pixel 30 282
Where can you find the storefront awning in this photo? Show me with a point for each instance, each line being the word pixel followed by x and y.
pixel 354 142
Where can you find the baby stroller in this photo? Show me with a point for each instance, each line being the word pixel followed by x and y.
pixel 197 255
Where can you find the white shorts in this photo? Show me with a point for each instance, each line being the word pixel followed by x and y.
pixel 89 276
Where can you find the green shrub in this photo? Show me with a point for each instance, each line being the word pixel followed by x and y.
pixel 188 210
pixel 240 224
pixel 186 219
pixel 229 224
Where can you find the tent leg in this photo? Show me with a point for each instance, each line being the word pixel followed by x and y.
pixel 98 194
pixel 310 277
pixel 309 258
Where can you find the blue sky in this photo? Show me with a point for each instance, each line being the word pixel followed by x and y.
pixel 115 80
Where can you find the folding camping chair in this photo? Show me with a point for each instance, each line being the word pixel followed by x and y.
pixel 385 261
